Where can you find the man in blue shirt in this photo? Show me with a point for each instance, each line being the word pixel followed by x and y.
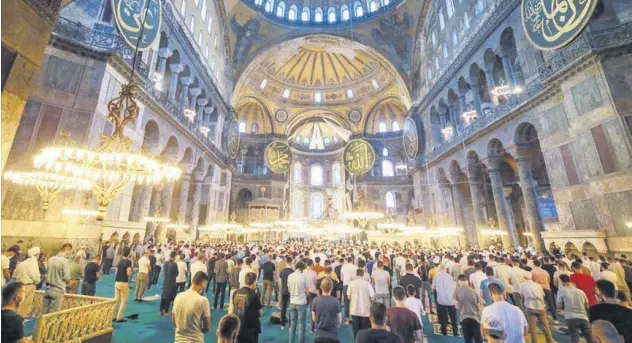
pixel 489 271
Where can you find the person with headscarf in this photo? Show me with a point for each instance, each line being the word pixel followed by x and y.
pixel 28 273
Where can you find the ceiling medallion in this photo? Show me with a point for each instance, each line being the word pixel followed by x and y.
pixel 358 156
pixel 411 138
pixel 327 163
pixel 306 162
pixel 281 116
pixel 355 116
pixel 278 157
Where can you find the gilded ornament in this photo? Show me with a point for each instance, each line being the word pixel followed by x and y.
pixel 138 21
pixel 358 156
pixel 233 139
pixel 278 157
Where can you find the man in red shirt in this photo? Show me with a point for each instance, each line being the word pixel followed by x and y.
pixel 584 282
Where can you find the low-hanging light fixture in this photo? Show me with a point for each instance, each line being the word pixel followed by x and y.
pixel 502 90
pixel 470 115
pixel 190 114
pixel 205 130
pixel 47 184
pixel 448 130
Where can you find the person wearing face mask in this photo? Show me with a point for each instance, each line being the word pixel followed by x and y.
pixel 57 278
pixel 12 325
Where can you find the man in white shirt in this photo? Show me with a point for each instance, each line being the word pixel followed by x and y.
pixel 443 284
pixel 381 279
pixel 144 268
pixel 27 272
pixel 347 271
pixel 477 277
pixel 516 278
pixel 511 317
pixel 199 265
pixel 297 286
pixel 192 312
pixel 533 296
pixel 182 273
pixel 245 269
pixel 361 295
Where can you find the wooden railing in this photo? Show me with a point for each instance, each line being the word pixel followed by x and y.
pixel 81 318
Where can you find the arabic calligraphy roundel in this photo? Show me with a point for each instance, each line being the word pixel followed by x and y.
pixel 551 24
pixel 278 157
pixel 233 139
pixel 411 138
pixel 358 157
pixel 130 15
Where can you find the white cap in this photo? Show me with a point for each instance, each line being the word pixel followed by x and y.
pixel 33 251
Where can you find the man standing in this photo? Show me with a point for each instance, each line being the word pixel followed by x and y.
pixel 297 285
pixel 199 265
pixel 377 332
pixel 516 278
pixel 6 262
pixel 402 321
pixel 142 280
pixel 211 272
pixel 56 280
pixel 620 316
pixel 91 275
pixel 109 259
pixel 192 312
pixel 220 269
pixel 28 274
pixel 233 278
pixel 247 306
pixel 584 282
pixel 121 284
pixel 326 316
pixel 575 304
pixel 533 296
pixel 169 285
pixel 468 303
pixel 347 271
pixel 477 277
pixel 268 279
pixel 12 322
pixel 154 269
pixel 311 277
pixel 543 278
pixel 511 317
pixel 361 295
pixel 443 284
pixel 285 292
pixel 382 281
pixel 484 291
pixel 411 279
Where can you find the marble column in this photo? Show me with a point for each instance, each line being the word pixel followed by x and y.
pixel 509 73
pixel 208 110
pixel 476 96
pixel 502 213
pixel 527 184
pixel 183 198
pixel 453 117
pixel 144 202
pixel 219 129
pixel 195 211
pixel 489 76
pixel 200 116
pixel 195 93
pixel 166 200
pixel 163 54
pixel 478 207
pixel 184 98
pixel 244 151
pixel 457 196
pixel 176 69
pixel 154 204
pixel 513 231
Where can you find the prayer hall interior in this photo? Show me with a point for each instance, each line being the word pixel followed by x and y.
pixel 316 171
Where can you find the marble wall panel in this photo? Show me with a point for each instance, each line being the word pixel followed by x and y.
pixel 556 119
pixel 586 96
pixel 555 168
pixel 620 206
pixel 61 74
pixel 584 215
pixel 618 139
pixel 584 150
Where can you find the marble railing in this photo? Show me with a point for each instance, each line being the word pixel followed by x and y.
pixel 81 318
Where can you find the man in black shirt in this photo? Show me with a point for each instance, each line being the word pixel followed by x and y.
pixel 285 293
pixel 609 310
pixel 210 267
pixel 247 306
pixel 377 332
pixel 268 279
pixel 326 316
pixel 121 284
pixel 91 275
pixel 12 325
pixel 411 279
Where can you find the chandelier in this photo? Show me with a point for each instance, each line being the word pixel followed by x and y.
pixel 205 130
pixel 113 166
pixel 190 114
pixel 47 184
pixel 503 90
pixel 470 115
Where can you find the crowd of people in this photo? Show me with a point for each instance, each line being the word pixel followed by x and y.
pixel 384 293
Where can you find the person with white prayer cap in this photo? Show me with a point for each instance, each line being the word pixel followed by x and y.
pixel 28 273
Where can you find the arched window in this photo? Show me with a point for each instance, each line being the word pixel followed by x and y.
pixel 306 141
pixel 269 6
pixel 318 15
pixel 338 203
pixel 255 128
pixel 449 5
pixel 263 84
pixel 344 13
pixel 445 51
pixel 376 85
pixel 280 12
pixel 286 94
pixel 335 173
pixel 436 60
pixel 297 205
pixel 203 11
pixel 387 168
pixel 441 20
pixel 385 152
pixel 433 38
pixel 395 126
pixel 335 139
pixel 331 15
pixel 316 175
pixel 429 73
pixel 381 127
pixel 390 200
pixel 455 38
pixel 318 97
pixel 258 2
pixel 357 9
pixel 192 24
pixel 209 28
pixel 298 172
pixel 242 126
pixel 326 141
pixel 372 6
pixel 183 8
pixel 466 20
pixel 305 14
pixel 349 94
pixel 298 139
pixel 292 13
pixel 386 2
pixel 317 206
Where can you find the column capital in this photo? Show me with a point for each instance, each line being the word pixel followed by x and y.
pixel 507 190
pixel 473 81
pixel 208 110
pixel 195 92
pixel 176 68
pixel 186 81
pixel 164 52
pixel 202 102
pixel 493 163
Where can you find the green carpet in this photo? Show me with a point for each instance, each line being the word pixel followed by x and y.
pixel 150 327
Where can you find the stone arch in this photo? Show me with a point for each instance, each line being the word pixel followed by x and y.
pixel 126 240
pixel 187 158
pixel 388 109
pixel 164 40
pixel 252 110
pixel 525 134
pixel 442 177
pixel 114 239
pixel 590 249
pixel 136 238
pixel 495 148
pixel 570 247
pixel 186 72
pixel 244 196
pixel 151 136
pixel 508 43
pixel 171 150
